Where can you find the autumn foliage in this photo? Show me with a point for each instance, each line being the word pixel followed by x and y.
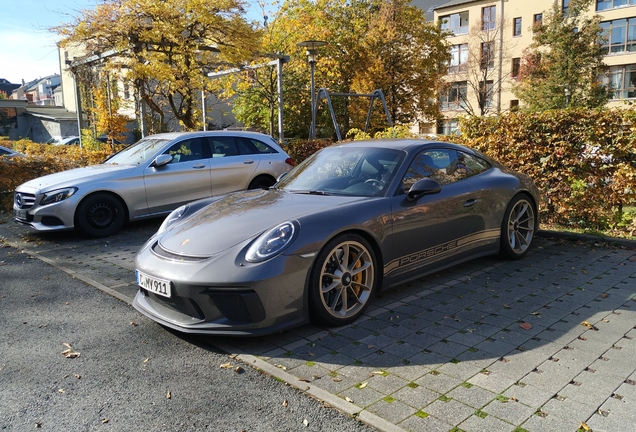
pixel 583 161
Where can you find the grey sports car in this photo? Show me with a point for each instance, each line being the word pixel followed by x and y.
pixel 349 221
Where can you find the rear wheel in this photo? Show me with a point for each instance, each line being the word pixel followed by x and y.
pixel 343 280
pixel 261 182
pixel 518 227
pixel 100 215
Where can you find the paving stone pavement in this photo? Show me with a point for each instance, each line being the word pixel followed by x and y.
pixel 540 344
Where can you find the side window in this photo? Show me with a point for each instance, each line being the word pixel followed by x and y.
pixel 261 147
pixel 187 150
pixel 224 147
pixel 443 165
pixel 473 164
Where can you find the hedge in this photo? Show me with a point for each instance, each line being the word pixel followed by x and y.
pixel 583 161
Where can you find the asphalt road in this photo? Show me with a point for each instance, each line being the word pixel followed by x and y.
pixel 130 374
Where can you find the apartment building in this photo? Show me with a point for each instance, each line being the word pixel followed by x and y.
pixel 487 45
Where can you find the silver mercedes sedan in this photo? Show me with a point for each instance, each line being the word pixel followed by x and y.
pixel 150 178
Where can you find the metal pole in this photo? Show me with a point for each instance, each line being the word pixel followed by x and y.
pixel 312 130
pixel 203 109
pixel 78 107
pixel 281 136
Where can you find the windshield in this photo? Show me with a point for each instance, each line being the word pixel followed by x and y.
pixel 143 151
pixel 342 170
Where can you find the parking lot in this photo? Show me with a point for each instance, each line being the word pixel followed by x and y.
pixel 540 344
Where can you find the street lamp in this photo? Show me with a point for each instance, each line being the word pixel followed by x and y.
pixel 312 51
pixel 567 97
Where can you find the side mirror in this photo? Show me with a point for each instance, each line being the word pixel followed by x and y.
pixel 161 160
pixel 425 186
pixel 280 177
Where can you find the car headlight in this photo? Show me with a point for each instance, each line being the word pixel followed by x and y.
pixel 57 195
pixel 172 218
pixel 272 242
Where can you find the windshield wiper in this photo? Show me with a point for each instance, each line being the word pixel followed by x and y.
pixel 309 192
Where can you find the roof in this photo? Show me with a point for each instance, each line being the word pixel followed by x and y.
pixel 50 112
pixel 7 87
pixel 450 3
pixel 428 6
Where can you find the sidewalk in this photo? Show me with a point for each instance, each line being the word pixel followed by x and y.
pixel 490 345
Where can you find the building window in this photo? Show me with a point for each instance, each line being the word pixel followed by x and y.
pixel 459 58
pixel 488 18
pixel 448 127
pixel 514 105
pixel 455 96
pixel 487 55
pixel 126 91
pixel 622 80
pixel 486 91
pixel 455 23
pixel 537 21
pixel 516 28
pixel 612 4
pixel 564 6
pixel 619 36
pixel 516 65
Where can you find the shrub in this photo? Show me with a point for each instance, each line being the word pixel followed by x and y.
pixel 583 161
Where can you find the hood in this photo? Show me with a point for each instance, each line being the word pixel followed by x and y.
pixel 77 176
pixel 241 216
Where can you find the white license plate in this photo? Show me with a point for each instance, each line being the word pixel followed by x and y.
pixel 21 214
pixel 158 286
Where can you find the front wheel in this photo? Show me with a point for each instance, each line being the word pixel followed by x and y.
pixel 343 280
pixel 261 182
pixel 100 215
pixel 518 227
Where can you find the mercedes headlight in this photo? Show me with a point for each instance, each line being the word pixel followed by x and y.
pixel 272 242
pixel 57 195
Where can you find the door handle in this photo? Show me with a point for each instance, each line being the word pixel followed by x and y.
pixel 247 162
pixel 470 202
pixel 199 166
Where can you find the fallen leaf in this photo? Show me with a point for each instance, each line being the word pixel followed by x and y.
pixel 69 353
pixel 226 366
pixel 78 376
pixel 370 346
pixel 364 384
pixel 285 403
pixel 134 324
pixel 38 425
pixel 525 326
pixel 506 306
pixel 584 426
pixel 239 370
pixel 336 379
pixel 146 361
pixel 512 398
pixel 306 422
pixel 168 395
pixel 348 399
pixel 588 325
pixel 584 271
pixel 303 380
pixel 311 354
pixel 61 391
pixel 377 373
pixel 105 421
pixel 604 295
pixel 281 367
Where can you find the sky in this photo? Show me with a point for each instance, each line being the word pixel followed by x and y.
pixel 27 50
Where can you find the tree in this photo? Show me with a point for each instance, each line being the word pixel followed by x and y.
pixel 478 62
pixel 372 44
pixel 562 65
pixel 164 48
pixel 3 95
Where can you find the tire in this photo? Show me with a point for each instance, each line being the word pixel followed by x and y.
pixel 100 215
pixel 518 227
pixel 329 279
pixel 261 182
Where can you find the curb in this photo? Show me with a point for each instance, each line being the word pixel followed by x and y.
pixel 588 238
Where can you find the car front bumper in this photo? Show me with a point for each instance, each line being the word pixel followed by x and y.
pixel 51 217
pixel 224 295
